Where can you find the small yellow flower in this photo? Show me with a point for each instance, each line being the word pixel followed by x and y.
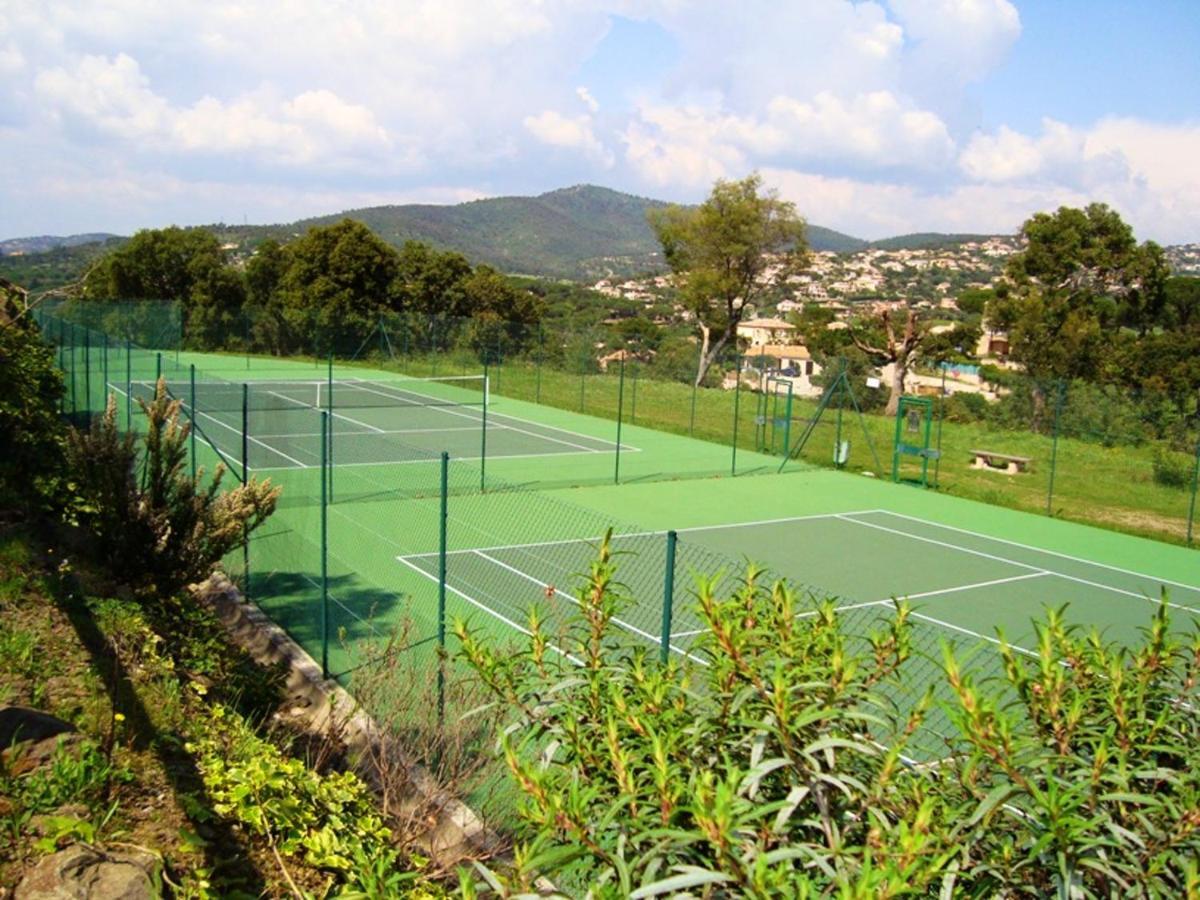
pixel 119 717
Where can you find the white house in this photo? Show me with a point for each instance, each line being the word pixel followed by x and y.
pixel 759 332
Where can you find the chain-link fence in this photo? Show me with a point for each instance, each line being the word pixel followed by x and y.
pixel 374 529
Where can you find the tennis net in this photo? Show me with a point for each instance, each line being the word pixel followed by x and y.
pixel 352 393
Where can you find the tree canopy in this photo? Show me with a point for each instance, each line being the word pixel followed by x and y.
pixel 728 252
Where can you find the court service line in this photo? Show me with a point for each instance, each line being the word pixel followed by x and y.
pixel 1013 562
pixel 653 639
pixel 302 405
pixel 635 534
pixel 611 444
pixel 251 437
pixel 345 434
pixel 988 537
pixel 432 460
pixel 491 612
pixel 975 634
pixel 455 412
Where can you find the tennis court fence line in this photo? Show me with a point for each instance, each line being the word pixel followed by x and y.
pixel 425 536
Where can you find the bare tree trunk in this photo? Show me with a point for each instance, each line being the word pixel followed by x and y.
pixel 899 375
pixel 710 350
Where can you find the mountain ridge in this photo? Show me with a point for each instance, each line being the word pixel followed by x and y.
pixel 582 232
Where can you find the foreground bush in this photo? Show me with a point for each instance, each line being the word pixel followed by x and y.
pixel 31 433
pixel 775 766
pixel 157 526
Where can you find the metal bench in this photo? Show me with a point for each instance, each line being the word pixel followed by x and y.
pixel 1000 462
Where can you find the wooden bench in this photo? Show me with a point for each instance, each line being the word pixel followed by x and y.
pixel 1000 462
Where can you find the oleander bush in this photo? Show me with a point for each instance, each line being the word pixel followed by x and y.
pixel 779 763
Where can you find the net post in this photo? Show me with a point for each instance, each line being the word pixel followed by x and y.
pixel 324 551
pixel 483 430
pixel 1058 399
pixel 668 607
pixel 620 407
pixel 245 479
pixel 192 415
pixel 737 397
pixel 1195 484
pixel 443 516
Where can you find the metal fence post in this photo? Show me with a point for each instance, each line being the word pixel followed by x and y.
pixel 937 463
pixel 104 359
pixel 633 405
pixel 537 395
pixel 324 551
pixel 441 602
pixel 1058 399
pixel 620 406
pixel 487 386
pixel 192 415
pixel 668 609
pixel 1195 484
pixel 87 371
pixel 245 479
pixel 128 386
pixel 737 396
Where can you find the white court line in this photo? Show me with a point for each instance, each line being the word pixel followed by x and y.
pixel 491 612
pixel 975 634
pixel 455 412
pixel 1013 562
pixel 654 639
pixel 343 434
pixel 238 431
pixel 632 534
pixel 434 460
pixel 335 414
pixel 611 444
pixel 988 537
pixel 890 600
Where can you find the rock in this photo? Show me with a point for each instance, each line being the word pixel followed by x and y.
pixel 88 873
pixel 20 723
pixel 25 757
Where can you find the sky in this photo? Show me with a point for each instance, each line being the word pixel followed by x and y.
pixel 875 118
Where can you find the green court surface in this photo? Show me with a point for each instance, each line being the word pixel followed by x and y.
pixel 522 534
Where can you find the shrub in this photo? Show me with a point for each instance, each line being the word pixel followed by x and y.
pixel 1172 469
pixel 32 435
pixel 156 526
pixel 774 765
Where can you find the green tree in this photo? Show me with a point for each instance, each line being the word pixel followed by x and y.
pixel 430 282
pixel 266 323
pixel 31 432
pixel 728 252
pixel 186 265
pixel 1080 276
pixel 337 280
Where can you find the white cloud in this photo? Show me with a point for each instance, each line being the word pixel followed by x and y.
pixel 588 100
pixel 200 108
pixel 116 98
pixel 670 144
pixel 570 132
pixel 1146 170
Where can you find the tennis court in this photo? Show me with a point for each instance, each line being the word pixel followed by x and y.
pixel 964 583
pixel 372 422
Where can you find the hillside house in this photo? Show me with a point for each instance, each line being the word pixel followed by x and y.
pixel 761 332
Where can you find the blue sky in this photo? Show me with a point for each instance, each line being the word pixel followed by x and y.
pixel 876 118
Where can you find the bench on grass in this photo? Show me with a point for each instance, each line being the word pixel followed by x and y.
pixel 1000 462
